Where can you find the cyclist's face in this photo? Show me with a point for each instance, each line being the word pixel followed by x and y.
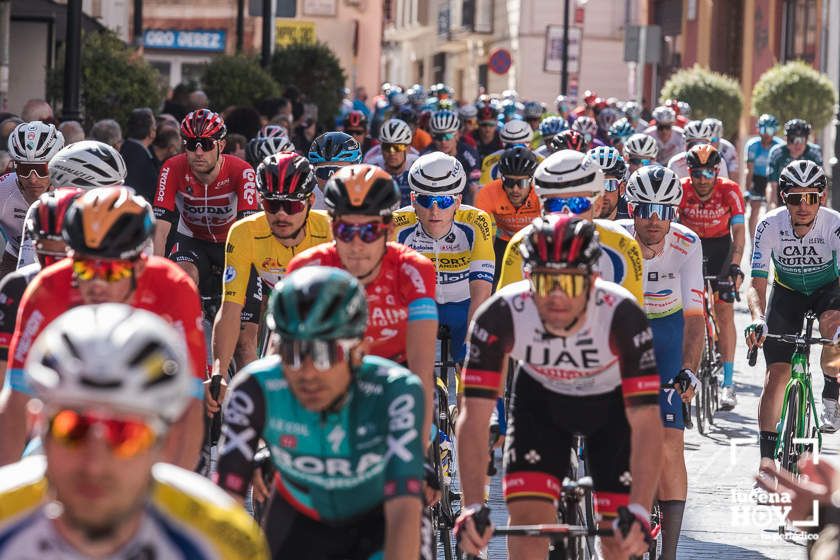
pixel 204 162
pixel 447 146
pixel 486 132
pixel 704 185
pixel 435 221
pixel 358 257
pixel 796 145
pixel 515 192
pixel 610 202
pixel 33 186
pixel 558 310
pixel 317 390
pixel 803 214
pixel 394 160
pixel 284 225
pixel 99 290
pixel 336 164
pixel 651 230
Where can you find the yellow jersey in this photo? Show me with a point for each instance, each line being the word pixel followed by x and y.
pixel 461 256
pixel 250 243
pixel 620 261
pixel 187 516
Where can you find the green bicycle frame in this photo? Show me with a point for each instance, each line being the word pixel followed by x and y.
pixel 800 380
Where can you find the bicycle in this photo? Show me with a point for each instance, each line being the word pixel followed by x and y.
pixel 576 506
pixel 795 430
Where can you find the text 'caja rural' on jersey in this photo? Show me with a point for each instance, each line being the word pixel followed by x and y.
pixel 332 466
pixel 800 264
pixel 620 261
pixel 612 349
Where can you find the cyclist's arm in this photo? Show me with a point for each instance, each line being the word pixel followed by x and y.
pixel 225 334
pixel 239 252
pixel 479 292
pixel 757 297
pixel 762 249
pixel 512 262
pixel 12 288
pixel 749 161
pixel 692 289
pixel 162 229
pixel 482 262
pixel 646 439
pixel 402 522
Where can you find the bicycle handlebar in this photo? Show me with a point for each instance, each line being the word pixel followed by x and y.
pixel 216 421
pixel 551 530
pixel 752 355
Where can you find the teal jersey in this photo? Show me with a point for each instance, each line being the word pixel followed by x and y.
pixel 332 466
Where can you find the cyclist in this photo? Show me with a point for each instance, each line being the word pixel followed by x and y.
pixel 614 205
pixel 532 113
pixel 201 192
pixel 107 265
pixel 619 133
pixel 271 139
pixel 343 428
pixel 510 199
pixel 633 112
pixel 330 152
pixel 640 150
pixel 31 146
pixel 399 282
pixel 568 140
pixel 571 182
pixel 713 208
pixel 395 155
pixel 669 138
pixel 514 133
pixel 549 128
pixel 673 303
pixel 589 129
pixel 757 159
pixel 727 150
pixel 263 244
pixel 469 123
pixel 677 106
pixel 796 147
pixel 799 239
pixel 696 132
pixel 585 365
pixel 356 125
pixel 113 379
pixel 457 238
pixel 445 128
pixel 487 136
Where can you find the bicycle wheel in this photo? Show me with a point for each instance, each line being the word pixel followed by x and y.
pixel 789 452
pixel 710 385
pixel 700 406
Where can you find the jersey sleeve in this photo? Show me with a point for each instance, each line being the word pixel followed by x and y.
pixel 27 254
pixel 484 199
pixel 762 249
pixel 11 291
pixel 774 159
pixel 187 317
pixel 512 262
pixel 483 260
pixel 37 309
pixel 691 281
pixel 164 203
pixel 633 280
pixel 243 420
pixel 404 471
pixel 419 292
pixel 735 200
pixel 238 252
pixel 631 339
pixel 246 203
pixel 490 340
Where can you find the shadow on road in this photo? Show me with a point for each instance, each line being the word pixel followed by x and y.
pixel 690 548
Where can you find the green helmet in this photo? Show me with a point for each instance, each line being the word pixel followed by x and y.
pixel 318 303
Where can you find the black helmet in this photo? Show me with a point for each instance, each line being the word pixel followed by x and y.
pixel 335 147
pixel 518 161
pixel 560 241
pixel 797 128
pixel 361 189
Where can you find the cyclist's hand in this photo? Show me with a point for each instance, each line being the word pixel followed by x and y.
pixel 261 492
pixel 755 333
pixel 686 384
pixel 465 530
pixel 213 406
pixel 737 275
pixel 634 543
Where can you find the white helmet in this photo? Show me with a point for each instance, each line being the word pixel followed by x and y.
pixel 664 115
pixel 568 172
pixel 698 131
pixel 641 146
pixel 271 139
pixel 35 142
pixel 716 126
pixel 516 132
pixel 112 355
pixel 444 121
pixel 586 126
pixel 632 109
pixel 802 173
pixel 395 131
pixel 437 174
pixel 88 165
pixel 468 111
pixel 654 184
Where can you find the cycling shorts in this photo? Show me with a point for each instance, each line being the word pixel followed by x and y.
pixel 758 189
pixel 717 255
pixel 786 311
pixel 454 316
pixel 540 431
pixel 668 348
pixel 206 257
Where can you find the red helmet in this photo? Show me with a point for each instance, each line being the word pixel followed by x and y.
pixel 285 175
pixel 355 120
pixel 673 104
pixel 589 97
pixel 560 241
pixel 46 218
pixel 568 140
pixel 203 123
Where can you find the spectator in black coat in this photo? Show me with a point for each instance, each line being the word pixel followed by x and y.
pixel 141 164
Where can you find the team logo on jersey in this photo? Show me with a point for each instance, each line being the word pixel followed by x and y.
pixel 230 274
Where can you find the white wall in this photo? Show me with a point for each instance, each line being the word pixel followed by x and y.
pixel 27 63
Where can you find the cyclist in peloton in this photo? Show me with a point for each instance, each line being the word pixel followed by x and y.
pixel 271 139
pixel 445 127
pixel 726 149
pixel 696 132
pixel 31 146
pixel 113 379
pixel 328 153
pixel 585 365
pixel 714 209
pixel 673 303
pixel 800 240
pixel 796 147
pixel 669 138
pixel 344 429
pixel 107 265
pixel 395 155
pixel 757 159
pixel 615 180
pixel 549 128
pixel 514 133
pixel 265 243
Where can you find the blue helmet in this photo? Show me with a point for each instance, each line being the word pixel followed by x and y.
pixel 550 126
pixel 334 147
pixel 768 121
pixel 621 130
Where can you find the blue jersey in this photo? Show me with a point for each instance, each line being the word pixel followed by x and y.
pixel 758 155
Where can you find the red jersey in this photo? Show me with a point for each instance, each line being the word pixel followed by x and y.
pixel 205 212
pixel 163 288
pixel 712 217
pixel 403 291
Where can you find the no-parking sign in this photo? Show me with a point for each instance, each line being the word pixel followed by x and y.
pixel 500 61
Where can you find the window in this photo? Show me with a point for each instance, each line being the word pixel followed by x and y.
pixel 800 30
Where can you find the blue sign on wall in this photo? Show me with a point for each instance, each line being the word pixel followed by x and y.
pixel 185 39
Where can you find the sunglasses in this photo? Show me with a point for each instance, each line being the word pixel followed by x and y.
pixel 703 173
pixel 522 183
pixel 796 140
pixel 25 170
pixel 611 185
pixel 647 210
pixel 545 283
pixel 368 232
pixel 487 124
pixel 192 144
pixel 324 353
pixel 443 137
pixel 638 161
pixel 125 437
pixel 574 204
pixel 427 200
pixel 106 269
pixel 795 199
pixel 326 171
pixel 766 130
pixel 274 205
pixel 394 148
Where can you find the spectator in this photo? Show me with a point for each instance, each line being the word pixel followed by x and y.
pixel 198 100
pixel 72 131
pixel 6 128
pixel 5 160
pixel 235 145
pixel 270 108
pixel 244 121
pixel 167 143
pixel 167 119
pixel 141 165
pixel 304 135
pixel 283 120
pixel 360 102
pixel 107 131
pixel 176 105
pixel 37 110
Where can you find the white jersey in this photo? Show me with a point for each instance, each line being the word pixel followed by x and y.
pixel 12 212
pixel 729 154
pixel 673 278
pixel 678 165
pixel 26 254
pixel 674 145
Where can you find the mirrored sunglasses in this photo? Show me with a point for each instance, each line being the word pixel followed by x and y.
pixel 192 144
pixel 394 148
pixel 274 205
pixel 109 270
pixel 546 283
pixel 368 233
pixel 703 173
pixel 647 210
pixel 26 169
pixel 326 171
pixel 522 183
pixel 611 185
pixel 427 200
pixel 324 353
pixel 125 437
pixel 443 136
pixel 574 204
pixel 795 199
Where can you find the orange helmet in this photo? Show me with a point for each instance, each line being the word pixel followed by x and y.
pixel 362 189
pixel 702 155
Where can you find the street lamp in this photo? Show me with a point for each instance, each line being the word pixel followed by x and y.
pixel 72 61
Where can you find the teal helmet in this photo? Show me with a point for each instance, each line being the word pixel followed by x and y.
pixel 318 303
